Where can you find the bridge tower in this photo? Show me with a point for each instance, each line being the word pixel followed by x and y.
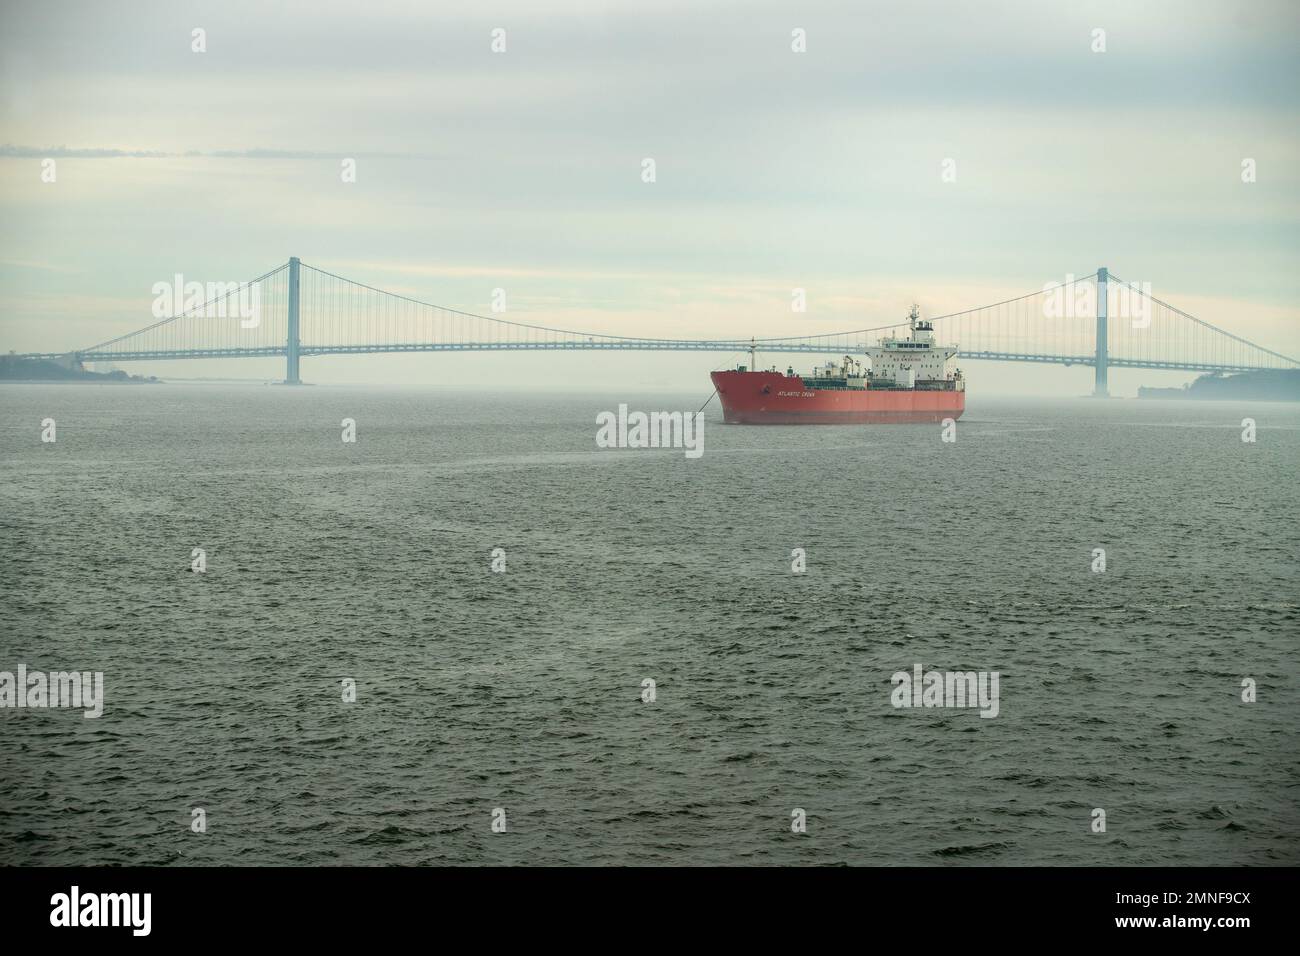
pixel 291 344
pixel 1100 386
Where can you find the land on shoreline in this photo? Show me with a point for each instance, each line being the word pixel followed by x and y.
pixel 1279 385
pixel 45 371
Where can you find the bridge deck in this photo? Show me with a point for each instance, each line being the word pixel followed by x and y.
pixel 628 345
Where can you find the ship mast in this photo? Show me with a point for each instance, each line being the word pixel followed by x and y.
pixel 753 366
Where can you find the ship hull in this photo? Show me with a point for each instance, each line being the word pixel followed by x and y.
pixel 770 398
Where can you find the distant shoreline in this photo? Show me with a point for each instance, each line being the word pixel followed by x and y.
pixel 47 372
pixel 1281 385
pixel 99 380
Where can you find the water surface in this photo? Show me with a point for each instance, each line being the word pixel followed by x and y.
pixel 476 690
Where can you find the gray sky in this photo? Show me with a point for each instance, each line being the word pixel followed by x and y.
pixel 775 170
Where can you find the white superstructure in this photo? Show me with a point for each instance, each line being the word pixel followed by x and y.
pixel 914 359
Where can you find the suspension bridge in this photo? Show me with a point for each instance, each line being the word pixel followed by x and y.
pixel 297 310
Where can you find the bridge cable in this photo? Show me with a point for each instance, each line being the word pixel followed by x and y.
pixel 1201 322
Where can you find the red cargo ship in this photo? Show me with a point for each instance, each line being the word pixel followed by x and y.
pixel 908 381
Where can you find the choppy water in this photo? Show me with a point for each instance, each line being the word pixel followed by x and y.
pixel 521 690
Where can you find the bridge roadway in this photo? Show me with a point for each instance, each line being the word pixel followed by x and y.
pixel 619 345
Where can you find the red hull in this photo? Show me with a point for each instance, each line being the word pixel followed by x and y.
pixel 770 398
